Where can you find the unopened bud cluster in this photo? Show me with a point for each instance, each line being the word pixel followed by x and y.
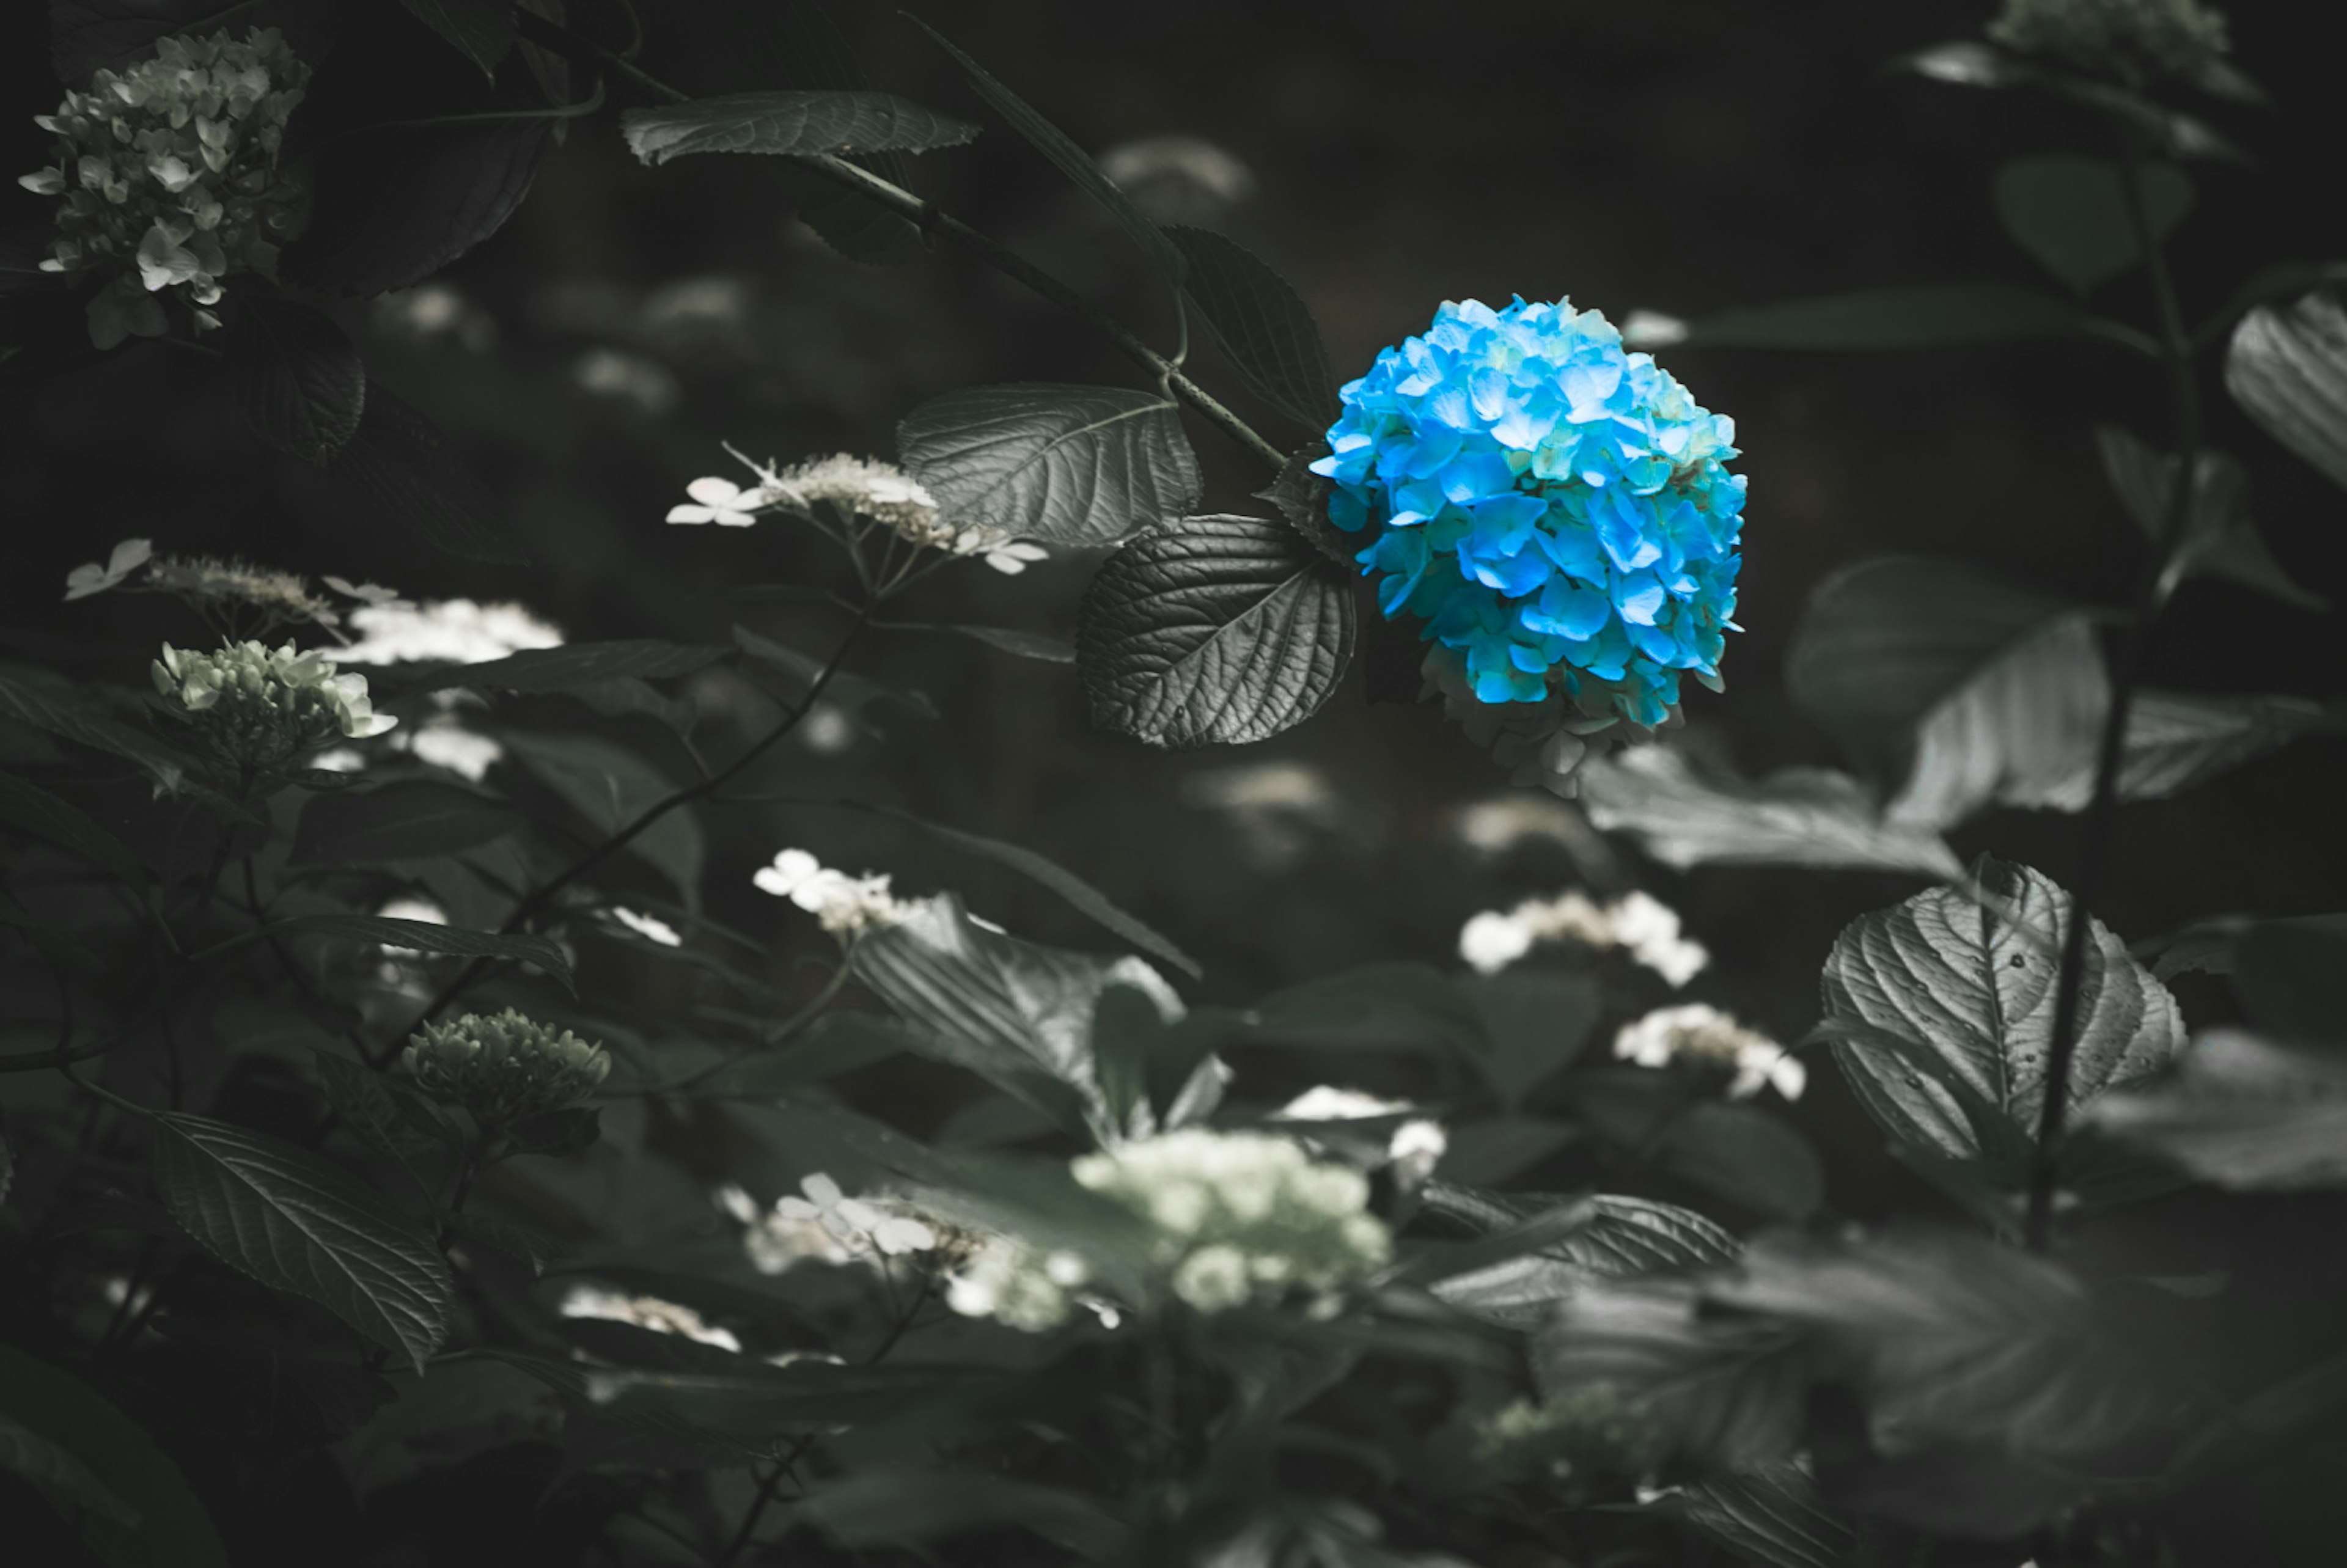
pixel 1579 1436
pixel 170 178
pixel 503 1067
pixel 255 706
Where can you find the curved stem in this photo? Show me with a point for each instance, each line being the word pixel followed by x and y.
pixel 2102 808
pixel 546 893
pixel 1166 372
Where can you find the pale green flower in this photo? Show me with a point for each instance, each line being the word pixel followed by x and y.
pixel 1591 1432
pixel 503 1067
pixel 257 707
pixel 169 177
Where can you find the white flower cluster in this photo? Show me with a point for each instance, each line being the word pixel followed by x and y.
pixel 447 631
pixel 1705 1036
pixel 847 907
pixel 1230 1217
pixel 171 179
pixel 2137 41
pixel 259 707
pixel 649 1312
pixel 229 595
pixel 825 1225
pixel 1418 1143
pixel 857 488
pixel 1639 923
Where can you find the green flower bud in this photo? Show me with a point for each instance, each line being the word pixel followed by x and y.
pixel 256 708
pixel 503 1067
pixel 1580 1436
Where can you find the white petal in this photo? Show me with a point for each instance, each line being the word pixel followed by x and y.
pixel 714 492
pixel 822 1189
pixel 684 514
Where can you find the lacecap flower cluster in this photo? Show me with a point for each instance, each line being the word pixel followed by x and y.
pixel 170 178
pixel 259 706
pixel 1556 509
pixel 504 1067
pixel 2137 41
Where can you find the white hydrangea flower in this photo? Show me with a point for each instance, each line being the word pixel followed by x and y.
pixel 169 178
pixel 1019 1287
pixel 584 1300
pixel 1701 1034
pixel 857 488
pixel 1637 922
pixel 1418 1143
pixel 447 631
pixel 857 1222
pixel 128 557
pixel 648 926
pixel 408 907
pixel 443 740
pixel 775 1242
pixel 847 907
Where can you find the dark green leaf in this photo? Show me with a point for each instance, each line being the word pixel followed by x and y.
pixel 1302 497
pixel 409 819
pixel 1942 315
pixel 2071 213
pixel 384 1114
pixel 1071 161
pixel 2287 367
pixel 2292 977
pixel 575 666
pixel 1684 813
pixel 1065 465
pixel 1080 895
pixel 396 204
pixel 480 30
pixel 1745 1155
pixel 173 1529
pixel 1495 1149
pixel 790 123
pixel 2021 729
pixel 296 376
pixel 1769 1515
pixel 1536 1022
pixel 296 1222
pixel 387 931
pixel 1389 1007
pixel 1218 630
pixel 1966 978
pixel 1019 644
pixel 611 786
pixel 1883 642
pixel 400 461
pixel 66 711
pixel 1262 323
pixel 835 1043
pixel 32 809
pixel 68 1482
pixel 892 1507
pixel 1729 1392
pixel 2220 538
pixel 1614 1236
pixel 1013 1011
pixel 2241 1113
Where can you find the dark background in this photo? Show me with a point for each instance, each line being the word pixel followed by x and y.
pixel 1676 156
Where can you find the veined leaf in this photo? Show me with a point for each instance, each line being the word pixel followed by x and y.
pixel 28 806
pixel 2288 368
pixel 389 931
pixel 409 819
pixel 790 123
pixel 296 376
pixel 1065 465
pixel 611 786
pixel 480 30
pixel 574 665
pixel 1262 323
pixel 1683 814
pixel 159 1522
pixel 1218 631
pixel 1964 979
pixel 2221 540
pixel 403 463
pixel 1615 1236
pixel 298 1223
pixel 1770 1514
pixel 397 203
pixel 63 710
pixel 2242 1113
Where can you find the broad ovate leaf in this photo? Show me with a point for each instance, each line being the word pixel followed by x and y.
pixel 1218 630
pixel 297 1223
pixel 2071 213
pixel 799 124
pixel 1066 465
pixel 1683 814
pixel 1942 1012
pixel 2242 1113
pixel 2287 366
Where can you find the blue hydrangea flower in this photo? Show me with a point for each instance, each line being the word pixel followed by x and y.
pixel 1557 511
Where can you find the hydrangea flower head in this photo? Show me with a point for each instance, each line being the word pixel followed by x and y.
pixel 170 177
pixel 1702 1036
pixel 1557 511
pixel 2136 41
pixel 504 1067
pixel 845 906
pixel 851 493
pixel 260 707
